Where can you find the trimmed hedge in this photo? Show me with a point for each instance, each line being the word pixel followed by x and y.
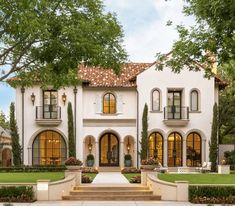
pixel 36 168
pixel 16 194
pixel 212 194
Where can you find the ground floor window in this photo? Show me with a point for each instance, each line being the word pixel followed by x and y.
pixel 193 150
pixel 49 148
pixel 155 145
pixel 174 150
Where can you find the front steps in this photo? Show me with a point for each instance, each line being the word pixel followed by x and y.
pixel 111 192
pixel 109 169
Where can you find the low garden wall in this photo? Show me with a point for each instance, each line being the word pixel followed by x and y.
pixel 44 189
pixel 177 191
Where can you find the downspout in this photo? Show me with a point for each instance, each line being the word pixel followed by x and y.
pixel 75 90
pixel 137 127
pixel 22 92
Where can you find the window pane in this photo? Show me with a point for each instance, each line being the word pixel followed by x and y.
pixel 156 100
pixel 109 104
pixel 194 101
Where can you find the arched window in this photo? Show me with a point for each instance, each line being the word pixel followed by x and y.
pixel 109 104
pixel 175 150
pixel 155 145
pixel 193 150
pixel 155 100
pixel 194 100
pixel 49 148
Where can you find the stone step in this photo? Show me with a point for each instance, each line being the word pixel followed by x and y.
pixel 111 197
pixel 110 188
pixel 107 192
pixel 109 169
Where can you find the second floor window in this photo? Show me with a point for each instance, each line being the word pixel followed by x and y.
pixel 109 104
pixel 50 104
pixel 194 100
pixel 156 100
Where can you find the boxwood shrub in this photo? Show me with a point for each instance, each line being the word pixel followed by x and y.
pixel 212 194
pixel 16 194
pixel 36 168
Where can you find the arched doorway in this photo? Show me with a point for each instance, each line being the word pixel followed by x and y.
pixel 49 148
pixel 155 146
pixel 194 150
pixel 174 150
pixel 109 150
pixel 6 157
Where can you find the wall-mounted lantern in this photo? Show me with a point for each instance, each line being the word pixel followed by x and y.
pixel 90 145
pixel 128 145
pixel 64 98
pixel 33 98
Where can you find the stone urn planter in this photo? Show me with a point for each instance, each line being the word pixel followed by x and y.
pixel 224 169
pixel 149 164
pixel 73 164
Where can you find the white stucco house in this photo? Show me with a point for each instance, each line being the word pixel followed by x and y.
pixel 108 116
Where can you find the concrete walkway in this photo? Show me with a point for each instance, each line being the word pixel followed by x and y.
pixel 105 203
pixel 110 178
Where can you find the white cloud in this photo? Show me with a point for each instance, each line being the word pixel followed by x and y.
pixel 145 27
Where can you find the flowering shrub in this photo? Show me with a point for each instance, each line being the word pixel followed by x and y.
pixel 73 161
pixel 89 170
pixel 150 162
pixel 130 170
pixel 135 179
pixel 86 179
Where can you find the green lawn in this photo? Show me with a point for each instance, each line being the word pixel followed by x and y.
pixel 91 175
pixel 29 177
pixel 199 178
pixel 130 175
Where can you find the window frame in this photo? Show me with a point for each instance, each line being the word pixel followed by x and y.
pixel 152 100
pixel 109 106
pixel 191 101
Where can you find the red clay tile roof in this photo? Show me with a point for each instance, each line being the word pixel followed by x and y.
pixel 99 77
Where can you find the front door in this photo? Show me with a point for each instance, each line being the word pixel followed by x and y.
pixel 109 150
pixel 174 104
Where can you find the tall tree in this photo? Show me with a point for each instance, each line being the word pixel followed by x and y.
pixel 44 39
pixel 16 148
pixel 71 139
pixel 144 134
pixel 212 35
pixel 214 140
pixel 4 123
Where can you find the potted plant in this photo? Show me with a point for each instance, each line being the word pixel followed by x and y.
pixel 90 160
pixel 73 164
pixel 149 164
pixel 127 160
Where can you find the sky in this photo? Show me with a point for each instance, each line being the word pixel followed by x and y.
pixel 145 32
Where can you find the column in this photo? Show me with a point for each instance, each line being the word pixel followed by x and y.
pixel 184 152
pixel 203 150
pixel 165 153
pixel 121 155
pixel 96 154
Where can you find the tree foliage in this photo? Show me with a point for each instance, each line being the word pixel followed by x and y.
pixel 16 148
pixel 144 134
pixel 41 40
pixel 4 123
pixel 213 35
pixel 214 139
pixel 71 138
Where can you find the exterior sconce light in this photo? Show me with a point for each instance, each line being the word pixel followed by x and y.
pixel 33 98
pixel 64 97
pixel 128 146
pixel 90 145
